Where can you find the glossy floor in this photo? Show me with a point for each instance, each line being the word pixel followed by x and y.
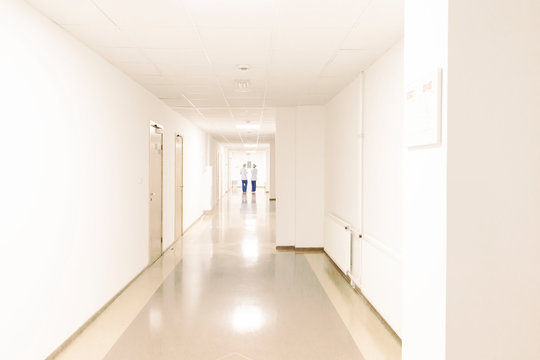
pixel 229 295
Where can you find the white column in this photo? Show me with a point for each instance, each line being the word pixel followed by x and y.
pixel 285 176
pixel 272 172
pixel 424 195
pixel 493 223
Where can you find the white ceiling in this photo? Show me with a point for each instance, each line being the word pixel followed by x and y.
pixel 300 52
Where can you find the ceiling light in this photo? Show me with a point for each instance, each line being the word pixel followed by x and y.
pixel 248 126
pixel 243 67
pixel 250 145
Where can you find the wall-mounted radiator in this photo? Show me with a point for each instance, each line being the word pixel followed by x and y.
pixel 371 266
pixel 340 238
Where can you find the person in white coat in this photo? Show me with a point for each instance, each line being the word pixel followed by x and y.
pixel 243 176
pixel 254 178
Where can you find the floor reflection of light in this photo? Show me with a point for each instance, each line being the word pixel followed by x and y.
pixel 250 250
pixel 250 224
pixel 247 318
pixel 155 320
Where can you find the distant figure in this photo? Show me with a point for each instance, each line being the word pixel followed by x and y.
pixel 243 176
pixel 254 178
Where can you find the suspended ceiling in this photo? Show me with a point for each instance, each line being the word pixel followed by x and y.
pixel 187 52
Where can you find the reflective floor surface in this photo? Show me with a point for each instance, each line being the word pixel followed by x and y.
pixel 227 294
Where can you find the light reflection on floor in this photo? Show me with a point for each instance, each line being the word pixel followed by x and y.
pixel 227 294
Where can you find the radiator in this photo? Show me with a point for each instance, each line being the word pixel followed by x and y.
pixel 337 242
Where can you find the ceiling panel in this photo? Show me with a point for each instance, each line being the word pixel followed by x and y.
pixel 324 13
pixel 145 12
pixel 245 102
pixel 232 13
pixel 71 12
pixel 237 45
pixel 153 80
pixel 165 37
pixel 210 102
pixel 96 36
pixel 182 70
pixel 289 38
pixel 230 71
pixel 138 68
pixel 122 54
pixel 299 52
pixel 178 57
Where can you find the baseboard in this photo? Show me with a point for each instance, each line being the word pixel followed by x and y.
pixel 285 248
pixel 300 250
pixel 87 323
pixel 359 292
pixel 195 222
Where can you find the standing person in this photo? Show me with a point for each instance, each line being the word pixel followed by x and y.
pixel 243 176
pixel 254 178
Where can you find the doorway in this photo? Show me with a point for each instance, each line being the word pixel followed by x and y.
pixel 156 192
pixel 220 175
pixel 179 188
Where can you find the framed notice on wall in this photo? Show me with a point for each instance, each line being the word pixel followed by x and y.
pixel 423 110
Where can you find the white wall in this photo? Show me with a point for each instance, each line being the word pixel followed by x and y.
pixel 343 157
pixel 364 181
pixel 424 221
pixel 75 167
pixel 493 259
pixel 300 176
pixel 285 176
pixel 272 173
pixel 382 181
pixel 309 152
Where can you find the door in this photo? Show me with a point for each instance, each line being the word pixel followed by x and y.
pixel 179 188
pixel 220 175
pixel 156 193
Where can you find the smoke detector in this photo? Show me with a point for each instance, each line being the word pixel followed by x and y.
pixel 243 85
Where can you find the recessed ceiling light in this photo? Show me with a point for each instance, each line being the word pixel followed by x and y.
pixel 243 67
pixel 250 145
pixel 248 126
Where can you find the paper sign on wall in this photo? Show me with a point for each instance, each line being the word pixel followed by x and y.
pixel 423 110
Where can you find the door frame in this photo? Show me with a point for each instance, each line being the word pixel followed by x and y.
pixel 178 230
pixel 158 128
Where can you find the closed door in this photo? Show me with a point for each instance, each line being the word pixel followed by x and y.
pixel 179 187
pixel 156 192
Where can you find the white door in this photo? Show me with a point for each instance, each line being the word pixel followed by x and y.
pixel 179 187
pixel 220 175
pixel 156 193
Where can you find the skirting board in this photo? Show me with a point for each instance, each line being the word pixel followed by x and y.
pixel 299 250
pixel 87 323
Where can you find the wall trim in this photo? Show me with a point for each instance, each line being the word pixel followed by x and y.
pixel 381 246
pixel 91 319
pixel 300 250
pixel 193 223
